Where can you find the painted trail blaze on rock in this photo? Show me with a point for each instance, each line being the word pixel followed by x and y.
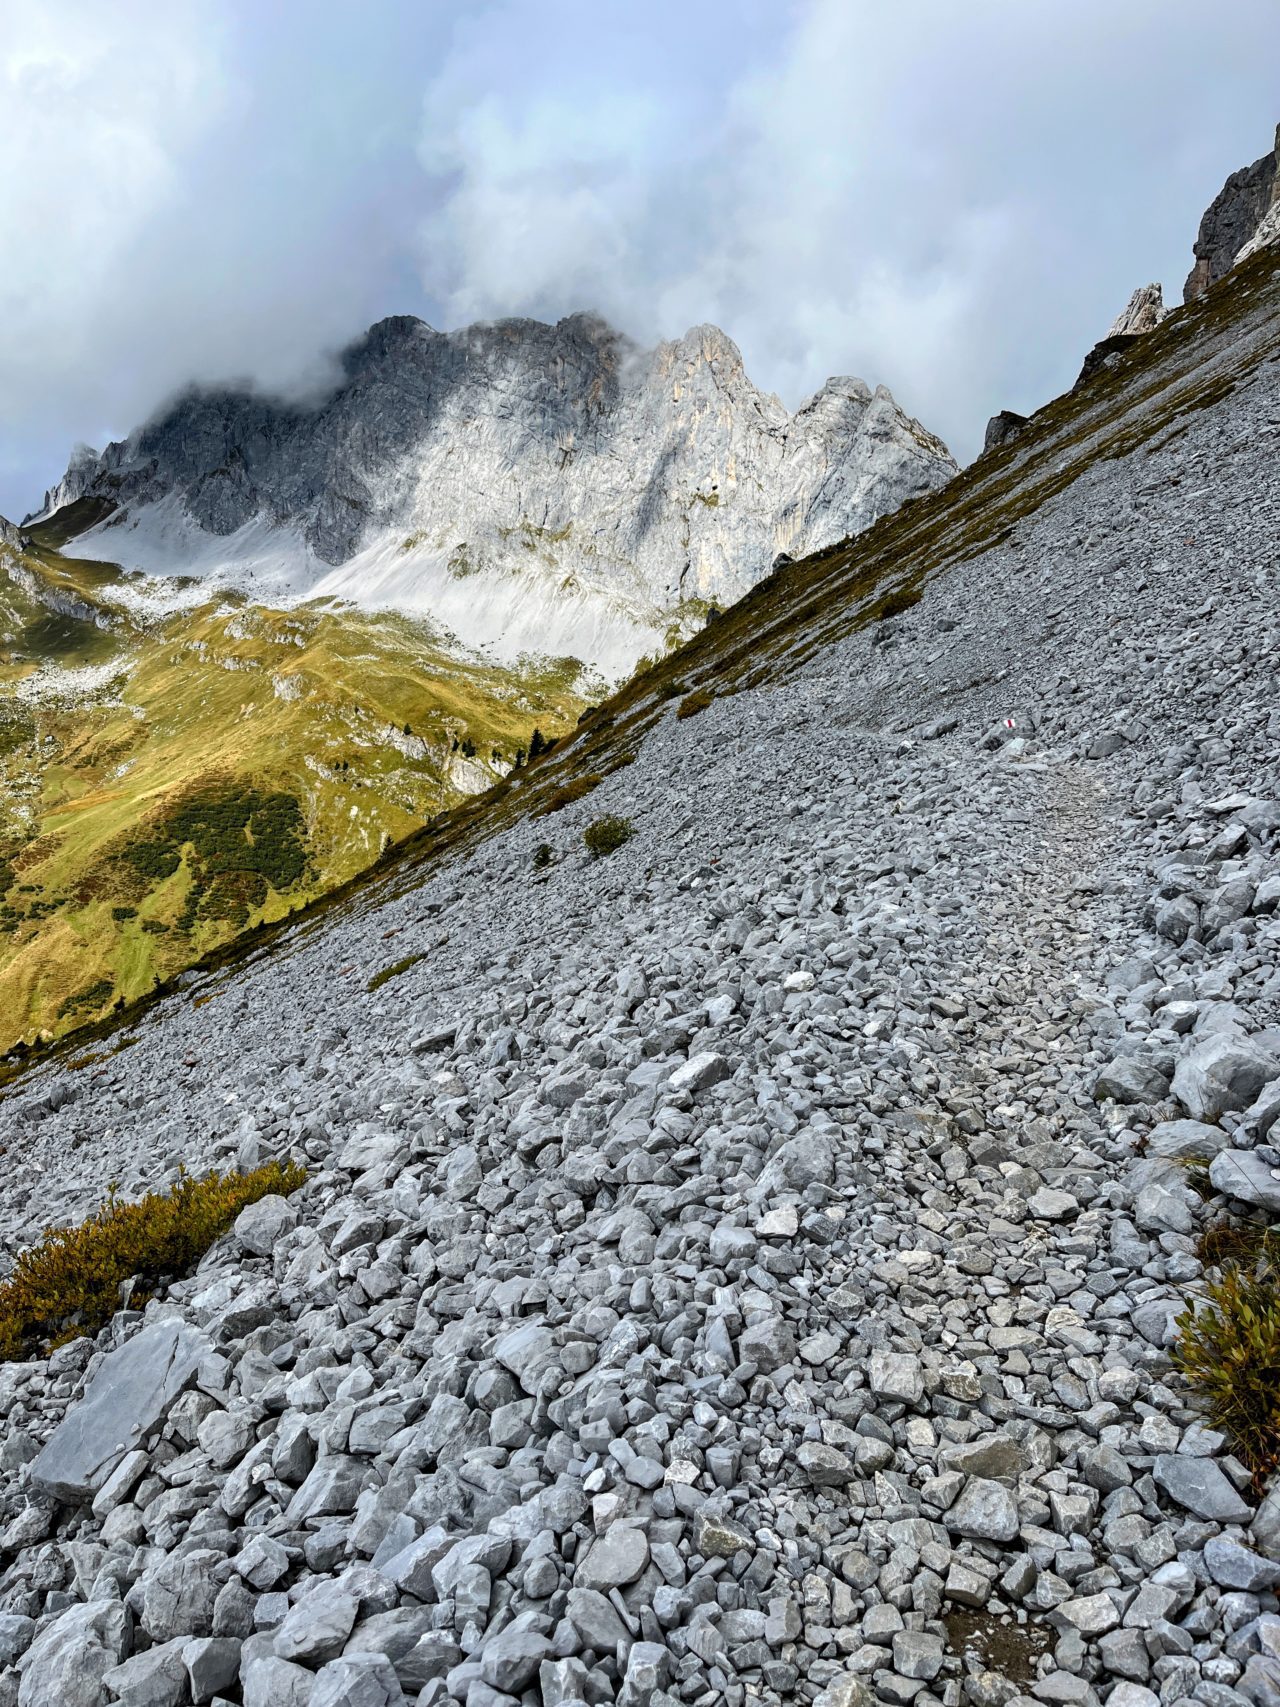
pixel 131 1391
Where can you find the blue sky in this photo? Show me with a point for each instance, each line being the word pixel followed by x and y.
pixel 952 199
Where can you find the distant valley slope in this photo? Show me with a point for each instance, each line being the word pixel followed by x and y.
pixel 172 776
pixel 532 488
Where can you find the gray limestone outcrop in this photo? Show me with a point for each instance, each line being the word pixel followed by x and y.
pixel 1143 312
pixel 455 472
pixel 1232 220
pixel 1002 427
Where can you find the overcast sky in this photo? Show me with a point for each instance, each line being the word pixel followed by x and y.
pixel 953 199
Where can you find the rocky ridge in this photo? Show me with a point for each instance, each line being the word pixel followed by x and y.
pixel 1143 313
pixel 549 489
pixel 1243 217
pixel 743 1269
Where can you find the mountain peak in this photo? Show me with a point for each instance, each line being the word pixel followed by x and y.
pixel 549 488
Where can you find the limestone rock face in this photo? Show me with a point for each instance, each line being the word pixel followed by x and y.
pixel 9 534
pixel 1233 220
pixel 1268 231
pixel 1144 312
pixel 1003 427
pixel 535 487
pixel 83 467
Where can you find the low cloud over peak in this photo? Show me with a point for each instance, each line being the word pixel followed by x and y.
pixel 952 201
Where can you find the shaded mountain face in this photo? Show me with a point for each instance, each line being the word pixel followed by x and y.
pixel 1232 220
pixel 549 489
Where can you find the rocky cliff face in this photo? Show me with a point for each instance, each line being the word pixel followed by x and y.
pixel 1143 313
pixel 541 488
pixel 1232 221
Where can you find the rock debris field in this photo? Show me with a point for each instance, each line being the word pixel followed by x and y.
pixel 742 1269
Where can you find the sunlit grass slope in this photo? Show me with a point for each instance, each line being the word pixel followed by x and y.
pixel 168 781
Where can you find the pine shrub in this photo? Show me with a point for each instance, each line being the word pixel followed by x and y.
pixel 69 1284
pixel 393 971
pixel 693 703
pixel 1229 1347
pixel 568 792
pixel 606 835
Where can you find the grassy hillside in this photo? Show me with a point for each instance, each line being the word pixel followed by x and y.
pixel 168 781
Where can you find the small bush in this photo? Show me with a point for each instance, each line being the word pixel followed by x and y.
pixel 1229 1352
pixel 69 1284
pixel 693 703
pixel 606 835
pixel 393 971
pixel 95 995
pixel 568 792
pixel 543 855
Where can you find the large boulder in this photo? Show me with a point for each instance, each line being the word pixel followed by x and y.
pixel 129 1394
pixel 1244 1175
pixel 1224 1072
pixel 1199 1485
pixel 178 1595
pixel 1130 1079
pixel 65 1665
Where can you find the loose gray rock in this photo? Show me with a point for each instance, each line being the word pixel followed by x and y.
pixel 1235 1567
pixel 357 1680
pixel 130 1393
pixel 66 1664
pixel 616 1559
pixel 1224 1072
pixel 984 1511
pixel 1200 1486
pixel 1244 1175
pixel 262 1225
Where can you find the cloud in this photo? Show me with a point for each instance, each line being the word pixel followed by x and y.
pixel 955 200
pixel 193 190
pixel 98 112
pixel 99 109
